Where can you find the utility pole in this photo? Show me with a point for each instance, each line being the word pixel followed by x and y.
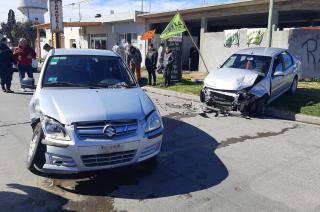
pixel 79 6
pixel 141 5
pixel 270 24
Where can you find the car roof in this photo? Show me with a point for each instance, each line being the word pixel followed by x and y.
pixel 94 52
pixel 262 51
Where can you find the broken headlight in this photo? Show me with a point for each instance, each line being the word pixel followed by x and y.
pixel 53 129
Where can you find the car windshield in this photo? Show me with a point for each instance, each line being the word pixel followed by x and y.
pixel 249 62
pixel 85 70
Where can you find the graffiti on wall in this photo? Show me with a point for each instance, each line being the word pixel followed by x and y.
pixel 312 48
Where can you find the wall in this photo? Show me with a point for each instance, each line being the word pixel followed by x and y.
pixel 304 44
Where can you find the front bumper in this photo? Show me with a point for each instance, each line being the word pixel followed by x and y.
pixel 91 156
pixel 226 100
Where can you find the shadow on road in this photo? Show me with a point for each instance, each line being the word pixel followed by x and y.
pixel 28 198
pixel 187 163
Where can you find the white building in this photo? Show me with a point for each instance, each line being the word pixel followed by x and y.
pixel 101 33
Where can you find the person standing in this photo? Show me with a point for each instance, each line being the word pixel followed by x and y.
pixel 135 61
pixel 119 50
pixel 6 66
pixel 46 48
pixel 160 58
pixel 151 64
pixel 24 55
pixel 127 52
pixel 168 61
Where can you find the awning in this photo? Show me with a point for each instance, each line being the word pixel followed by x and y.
pixel 69 24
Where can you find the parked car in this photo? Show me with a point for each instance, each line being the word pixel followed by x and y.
pixel 250 79
pixel 89 113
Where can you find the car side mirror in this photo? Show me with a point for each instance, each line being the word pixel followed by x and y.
pixel 279 71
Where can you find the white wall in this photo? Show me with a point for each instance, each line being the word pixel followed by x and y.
pixel 304 44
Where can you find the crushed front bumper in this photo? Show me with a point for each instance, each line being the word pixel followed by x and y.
pixel 224 101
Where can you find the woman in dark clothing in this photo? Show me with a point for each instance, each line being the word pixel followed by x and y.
pixel 151 64
pixel 6 64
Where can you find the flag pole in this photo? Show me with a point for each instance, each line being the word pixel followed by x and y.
pixel 194 43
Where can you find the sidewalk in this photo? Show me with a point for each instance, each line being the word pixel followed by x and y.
pixel 273 112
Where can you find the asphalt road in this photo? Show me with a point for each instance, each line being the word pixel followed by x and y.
pixel 206 164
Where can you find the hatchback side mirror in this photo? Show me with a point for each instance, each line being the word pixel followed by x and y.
pixel 278 73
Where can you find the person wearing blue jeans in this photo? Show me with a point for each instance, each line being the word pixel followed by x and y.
pixel 23 70
pixel 24 55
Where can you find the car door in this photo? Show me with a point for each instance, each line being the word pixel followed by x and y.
pixel 278 82
pixel 289 69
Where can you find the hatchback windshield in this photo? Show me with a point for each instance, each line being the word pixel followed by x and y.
pixel 250 62
pixel 83 70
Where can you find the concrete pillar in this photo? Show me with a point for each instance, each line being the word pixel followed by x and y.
pixel 275 20
pixel 204 25
pixel 204 29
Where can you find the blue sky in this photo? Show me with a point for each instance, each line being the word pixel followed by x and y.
pixel 104 6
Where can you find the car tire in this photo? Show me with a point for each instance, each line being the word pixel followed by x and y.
pixel 294 86
pixel 259 106
pixel 36 153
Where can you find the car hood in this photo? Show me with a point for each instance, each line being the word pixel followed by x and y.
pixel 78 105
pixel 230 79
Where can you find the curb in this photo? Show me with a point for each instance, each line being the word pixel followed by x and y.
pixel 291 116
pixel 271 111
pixel 164 92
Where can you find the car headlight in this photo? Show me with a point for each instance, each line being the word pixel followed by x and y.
pixel 154 122
pixel 53 129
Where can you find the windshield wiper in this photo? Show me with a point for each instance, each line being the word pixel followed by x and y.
pixel 97 85
pixel 121 85
pixel 60 84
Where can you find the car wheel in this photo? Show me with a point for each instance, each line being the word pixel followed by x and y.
pixel 294 86
pixel 36 154
pixel 259 106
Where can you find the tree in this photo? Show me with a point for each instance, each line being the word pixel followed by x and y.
pixel 16 30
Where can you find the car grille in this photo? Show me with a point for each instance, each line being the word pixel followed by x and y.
pixel 94 130
pixel 108 159
pixel 221 97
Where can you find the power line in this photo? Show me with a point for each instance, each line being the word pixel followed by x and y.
pixel 79 6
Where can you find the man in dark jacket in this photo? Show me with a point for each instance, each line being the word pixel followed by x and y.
pixel 151 64
pixel 6 64
pixel 168 61
pixel 135 61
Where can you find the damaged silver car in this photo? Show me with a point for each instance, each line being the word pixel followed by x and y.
pixel 251 79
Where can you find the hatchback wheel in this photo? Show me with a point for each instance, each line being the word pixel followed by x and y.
pixel 36 154
pixel 294 86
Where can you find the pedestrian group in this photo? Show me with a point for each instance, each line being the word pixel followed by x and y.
pixel 21 57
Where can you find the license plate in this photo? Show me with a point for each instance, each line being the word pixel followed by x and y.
pixel 106 149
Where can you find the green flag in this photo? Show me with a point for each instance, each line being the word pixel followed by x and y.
pixel 175 27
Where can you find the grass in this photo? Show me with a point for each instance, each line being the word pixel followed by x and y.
pixel 183 86
pixel 305 101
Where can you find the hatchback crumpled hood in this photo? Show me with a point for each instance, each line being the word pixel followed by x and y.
pixel 78 105
pixel 230 79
